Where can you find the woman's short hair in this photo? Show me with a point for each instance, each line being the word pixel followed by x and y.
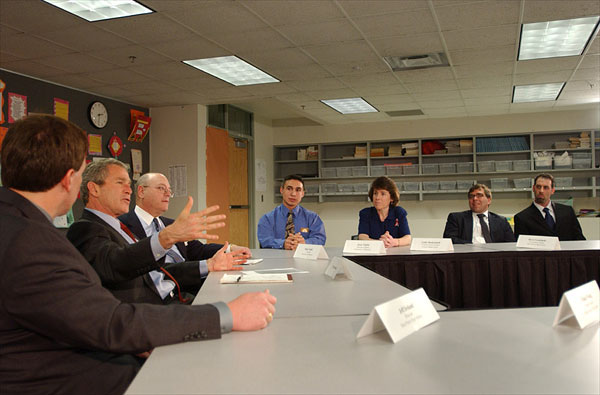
pixel 388 185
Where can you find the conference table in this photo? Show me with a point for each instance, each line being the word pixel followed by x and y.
pixel 496 275
pixel 310 347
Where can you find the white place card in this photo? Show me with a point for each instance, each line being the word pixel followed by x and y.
pixel 582 303
pixel 364 247
pixel 538 242
pixel 338 269
pixel 310 251
pixel 423 244
pixel 401 316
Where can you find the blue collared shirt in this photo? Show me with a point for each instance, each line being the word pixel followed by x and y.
pixel 271 227
pixel 395 223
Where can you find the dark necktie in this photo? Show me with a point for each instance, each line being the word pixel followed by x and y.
pixel 549 219
pixel 484 228
pixel 165 271
pixel 289 225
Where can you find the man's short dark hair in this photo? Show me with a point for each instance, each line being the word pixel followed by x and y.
pixel 387 184
pixel 547 176
pixel 96 172
pixel 486 190
pixel 293 177
pixel 38 150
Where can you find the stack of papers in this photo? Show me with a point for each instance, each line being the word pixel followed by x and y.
pixel 247 277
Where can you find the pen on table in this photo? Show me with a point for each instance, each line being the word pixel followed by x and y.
pixel 239 278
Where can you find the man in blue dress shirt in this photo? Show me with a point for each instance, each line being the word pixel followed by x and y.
pixel 290 224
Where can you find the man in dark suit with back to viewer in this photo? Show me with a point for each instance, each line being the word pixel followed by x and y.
pixel 478 225
pixel 547 218
pixel 61 332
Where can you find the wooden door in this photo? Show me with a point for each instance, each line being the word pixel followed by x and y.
pixel 238 192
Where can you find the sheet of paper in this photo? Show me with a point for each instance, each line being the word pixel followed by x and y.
pixel 310 251
pixel 538 242
pixel 582 302
pixel 364 247
pixel 424 244
pixel 285 270
pixel 253 277
pixel 252 261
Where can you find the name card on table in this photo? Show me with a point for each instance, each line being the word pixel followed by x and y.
pixel 582 303
pixel 310 251
pixel 338 270
pixel 401 316
pixel 538 242
pixel 364 247
pixel 421 244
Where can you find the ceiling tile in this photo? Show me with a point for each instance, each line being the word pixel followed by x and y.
pixel 400 24
pixel 268 89
pixel 27 46
pixel 357 67
pixel 390 99
pixel 431 74
pixel 587 74
pixel 552 10
pixel 76 61
pixel 382 90
pixel 442 95
pixel 307 72
pixel 122 56
pixel 6 57
pixel 119 76
pixel 484 70
pixel 408 46
pixel 281 58
pixel 488 109
pixel 191 48
pixel 576 86
pixel 321 33
pixel 483 56
pixel 481 38
pixel 349 51
pixel 29 67
pixel 540 78
pixel 446 112
pixel 293 97
pixel 429 104
pixel 545 65
pixel 369 80
pixel 199 82
pixel 323 94
pixel 590 61
pixel 317 84
pixel 473 15
pixel 147 28
pixel 81 81
pixel 486 92
pixel 83 37
pixel 431 86
pixel 357 8
pixel 479 83
pixel 505 99
pixel 397 106
pixel 531 107
pixel 35 16
pixel 294 12
pixel 167 71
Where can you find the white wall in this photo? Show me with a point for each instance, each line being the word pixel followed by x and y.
pixel 263 150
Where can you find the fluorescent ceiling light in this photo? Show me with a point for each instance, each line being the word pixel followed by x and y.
pixel 538 92
pixel 353 105
pixel 556 38
pixel 99 10
pixel 233 70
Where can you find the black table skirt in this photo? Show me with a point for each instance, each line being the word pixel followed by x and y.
pixel 490 279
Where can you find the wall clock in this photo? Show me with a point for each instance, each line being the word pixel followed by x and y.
pixel 98 114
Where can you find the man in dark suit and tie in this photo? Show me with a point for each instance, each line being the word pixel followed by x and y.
pixel 146 270
pixel 60 330
pixel 478 225
pixel 152 197
pixel 547 218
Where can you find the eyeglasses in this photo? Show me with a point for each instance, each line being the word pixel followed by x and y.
pixel 163 189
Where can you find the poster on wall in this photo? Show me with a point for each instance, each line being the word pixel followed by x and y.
pixel 2 86
pixel 2 134
pixel 140 128
pixel 17 107
pixel 61 108
pixel 95 144
pixel 136 163
pixel 178 179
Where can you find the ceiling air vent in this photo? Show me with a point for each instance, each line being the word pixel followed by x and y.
pixel 399 63
pixel 404 113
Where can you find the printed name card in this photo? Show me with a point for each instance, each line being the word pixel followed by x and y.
pixel 421 244
pixel 401 316
pixel 364 247
pixel 310 251
pixel 582 303
pixel 337 269
pixel 538 242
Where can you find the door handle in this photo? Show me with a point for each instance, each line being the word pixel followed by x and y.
pixel 239 206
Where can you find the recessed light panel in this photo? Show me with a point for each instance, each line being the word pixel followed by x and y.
pixel 354 105
pixel 99 10
pixel 233 70
pixel 556 38
pixel 538 92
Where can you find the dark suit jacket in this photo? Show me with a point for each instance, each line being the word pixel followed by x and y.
pixel 531 222
pixel 193 251
pixel 123 267
pixel 459 227
pixel 60 330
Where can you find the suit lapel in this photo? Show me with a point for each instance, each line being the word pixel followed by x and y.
pixel 468 225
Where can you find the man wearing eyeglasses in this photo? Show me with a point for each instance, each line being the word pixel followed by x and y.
pixel 478 225
pixel 138 269
pixel 153 194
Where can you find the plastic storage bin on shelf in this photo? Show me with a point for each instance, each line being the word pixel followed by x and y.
pixel 582 155
pixel 499 183
pixel 563 182
pixel 503 165
pixel 447 185
pixel 328 172
pixel 522 182
pixel 464 185
pixel 359 171
pixel 431 185
pixel 430 168
pixel 394 170
pixel 446 168
pixel 522 165
pixel 465 167
pixel 410 186
pixel 344 172
pixel 329 188
pixel 362 187
pixel 411 169
pixel 563 162
pixel 377 171
pixel 544 163
pixel 582 163
pixel 486 166
pixel 312 188
pixel 346 187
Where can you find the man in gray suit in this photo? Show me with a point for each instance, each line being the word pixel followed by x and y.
pixel 60 330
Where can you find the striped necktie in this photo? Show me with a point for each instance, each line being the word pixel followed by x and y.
pixel 289 225
pixel 176 258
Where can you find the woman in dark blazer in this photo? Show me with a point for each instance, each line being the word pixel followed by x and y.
pixel 386 220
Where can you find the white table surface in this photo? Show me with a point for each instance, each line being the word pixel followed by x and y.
pixel 512 351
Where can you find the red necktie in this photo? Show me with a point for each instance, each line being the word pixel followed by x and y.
pixel 132 236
